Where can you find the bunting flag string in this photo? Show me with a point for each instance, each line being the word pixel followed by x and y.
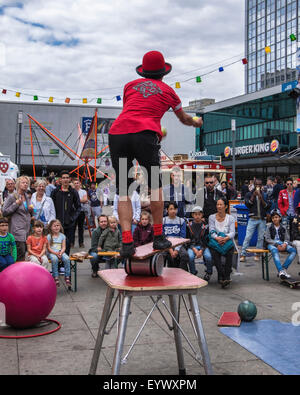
pixel 99 100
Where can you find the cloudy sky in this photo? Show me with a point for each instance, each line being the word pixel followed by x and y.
pixel 90 48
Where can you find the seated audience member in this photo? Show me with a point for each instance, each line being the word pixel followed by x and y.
pixel 57 251
pixel 295 232
pixel 174 226
pixel 277 239
pixel 8 249
pixel 197 232
pixel 37 245
pixel 93 251
pixel 111 240
pixel 221 235
pixel 143 233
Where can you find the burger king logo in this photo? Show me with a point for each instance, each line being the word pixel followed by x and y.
pixel 227 152
pixel 274 147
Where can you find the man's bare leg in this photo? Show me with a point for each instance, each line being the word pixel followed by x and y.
pixel 157 205
pixel 157 208
pixel 125 214
pixel 125 218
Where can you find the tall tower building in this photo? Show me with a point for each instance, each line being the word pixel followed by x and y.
pixel 271 34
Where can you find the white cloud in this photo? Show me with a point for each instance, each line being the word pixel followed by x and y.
pixel 71 47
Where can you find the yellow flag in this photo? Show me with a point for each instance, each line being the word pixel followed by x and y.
pixel 50 99
pixel 18 94
pixel 84 101
pixel 177 85
pixel 268 49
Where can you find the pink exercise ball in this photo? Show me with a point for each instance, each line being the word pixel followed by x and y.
pixel 28 292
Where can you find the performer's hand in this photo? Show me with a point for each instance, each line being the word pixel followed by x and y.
pixel 197 122
pixel 200 122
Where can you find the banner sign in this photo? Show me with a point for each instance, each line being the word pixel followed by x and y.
pixel 4 166
pixel 263 148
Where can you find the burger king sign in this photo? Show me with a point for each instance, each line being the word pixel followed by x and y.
pixel 262 148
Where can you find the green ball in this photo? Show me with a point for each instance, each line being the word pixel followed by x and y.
pixel 247 311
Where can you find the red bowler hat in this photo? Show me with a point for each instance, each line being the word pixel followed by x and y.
pixel 154 65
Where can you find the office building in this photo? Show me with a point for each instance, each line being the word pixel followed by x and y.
pixel 271 34
pixel 265 131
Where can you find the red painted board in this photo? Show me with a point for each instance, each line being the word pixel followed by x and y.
pixel 171 279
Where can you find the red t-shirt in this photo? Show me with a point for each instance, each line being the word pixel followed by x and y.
pixel 144 103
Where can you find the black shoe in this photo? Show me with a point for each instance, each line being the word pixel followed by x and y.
pixel 225 283
pixel 207 277
pixel 127 250
pixel 161 243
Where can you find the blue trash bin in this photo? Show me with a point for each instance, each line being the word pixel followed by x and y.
pixel 242 222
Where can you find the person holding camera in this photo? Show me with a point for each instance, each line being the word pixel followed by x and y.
pixel 258 205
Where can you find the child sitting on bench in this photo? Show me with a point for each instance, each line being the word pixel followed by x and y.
pixel 197 231
pixel 277 240
pixel 110 240
pixel 174 226
pixel 143 233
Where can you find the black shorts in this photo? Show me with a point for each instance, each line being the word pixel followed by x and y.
pixel 145 148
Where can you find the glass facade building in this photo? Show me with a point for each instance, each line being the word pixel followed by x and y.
pixel 260 118
pixel 270 23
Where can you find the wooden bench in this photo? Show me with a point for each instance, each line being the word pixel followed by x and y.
pixel 74 259
pixel 264 260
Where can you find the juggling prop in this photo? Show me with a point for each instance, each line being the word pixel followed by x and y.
pixel 247 311
pixel 164 132
pixel 28 293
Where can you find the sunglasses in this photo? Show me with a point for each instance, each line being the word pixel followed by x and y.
pixel 289 183
pixel 209 182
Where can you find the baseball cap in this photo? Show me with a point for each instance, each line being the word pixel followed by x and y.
pixel 275 212
pixel 197 209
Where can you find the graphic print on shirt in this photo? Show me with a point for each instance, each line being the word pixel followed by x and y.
pixel 148 88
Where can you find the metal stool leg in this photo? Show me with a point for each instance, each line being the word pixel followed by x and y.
pixel 177 336
pixel 201 335
pixel 121 334
pixel 101 332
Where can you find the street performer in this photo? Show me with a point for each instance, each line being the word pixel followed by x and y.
pixel 136 134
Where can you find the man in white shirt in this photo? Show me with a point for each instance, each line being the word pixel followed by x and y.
pixel 84 207
pixel 136 209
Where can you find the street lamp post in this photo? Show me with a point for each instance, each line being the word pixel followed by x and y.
pixel 19 142
pixel 233 129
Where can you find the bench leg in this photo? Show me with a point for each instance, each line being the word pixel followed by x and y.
pixel 267 266
pixel 73 266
